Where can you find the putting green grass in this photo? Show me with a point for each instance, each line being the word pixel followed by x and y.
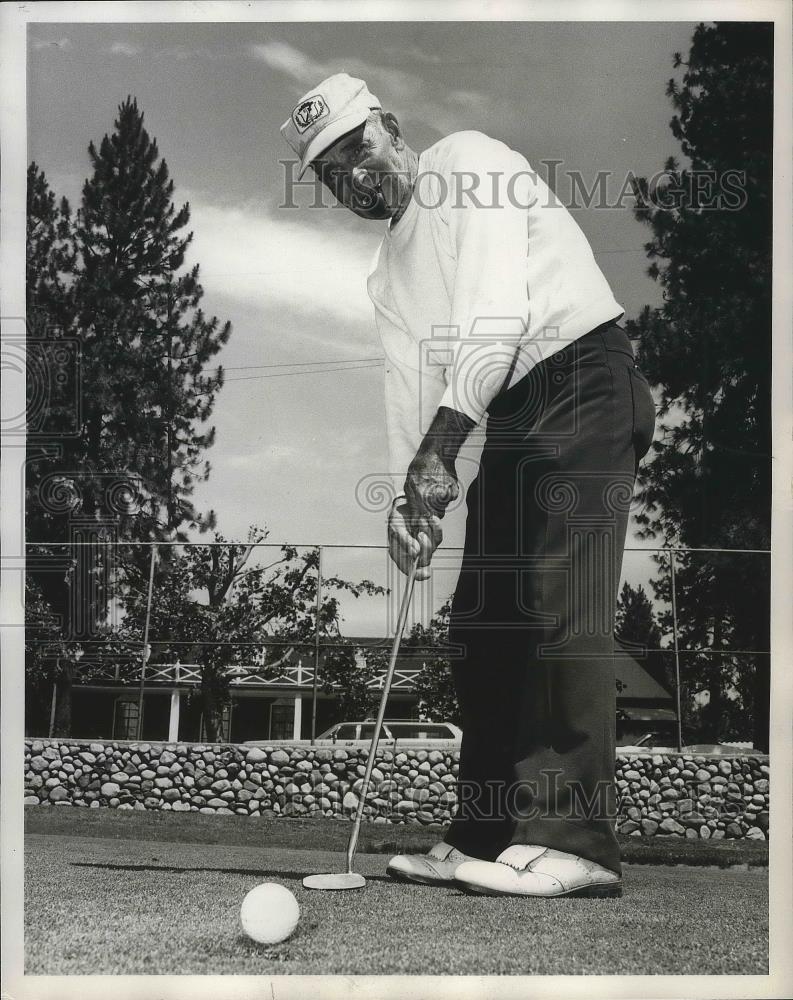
pixel 331 835
pixel 97 905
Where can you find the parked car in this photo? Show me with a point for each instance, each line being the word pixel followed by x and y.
pixel 645 743
pixel 653 742
pixel 646 740
pixel 403 731
pixel 705 749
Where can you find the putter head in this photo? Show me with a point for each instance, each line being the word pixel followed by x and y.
pixel 334 881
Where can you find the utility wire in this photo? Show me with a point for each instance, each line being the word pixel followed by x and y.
pixel 293 364
pixel 319 364
pixel 315 371
pixel 376 643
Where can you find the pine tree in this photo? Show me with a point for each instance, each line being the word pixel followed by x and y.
pixel 50 257
pixel 49 301
pixel 707 351
pixel 637 630
pixel 113 279
pixel 147 341
pixel 49 270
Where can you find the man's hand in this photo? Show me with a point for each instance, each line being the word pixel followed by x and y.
pixel 414 522
pixel 431 485
pixel 405 540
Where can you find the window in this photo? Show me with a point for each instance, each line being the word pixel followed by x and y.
pixel 225 725
pixel 125 719
pixel 282 721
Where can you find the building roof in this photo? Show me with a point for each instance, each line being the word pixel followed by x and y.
pixel 297 670
pixel 635 680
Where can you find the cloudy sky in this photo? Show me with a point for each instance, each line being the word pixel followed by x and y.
pixel 298 450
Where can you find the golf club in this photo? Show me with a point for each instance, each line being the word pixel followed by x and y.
pixel 350 879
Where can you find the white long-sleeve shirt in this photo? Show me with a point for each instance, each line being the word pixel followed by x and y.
pixel 485 275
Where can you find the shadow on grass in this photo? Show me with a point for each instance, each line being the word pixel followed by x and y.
pixel 333 835
pixel 225 871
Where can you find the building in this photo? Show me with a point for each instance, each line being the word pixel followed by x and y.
pixel 282 707
pixel 643 704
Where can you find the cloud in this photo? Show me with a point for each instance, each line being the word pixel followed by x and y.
pixel 410 96
pixel 468 99
pixel 417 54
pixel 303 266
pixel 124 49
pixel 47 43
pixel 182 52
pixel 300 453
pixel 267 457
pixel 289 61
pixel 179 52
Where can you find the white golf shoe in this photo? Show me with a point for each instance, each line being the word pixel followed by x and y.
pixel 436 867
pixel 529 870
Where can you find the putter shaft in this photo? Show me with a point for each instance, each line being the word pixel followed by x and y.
pixel 403 613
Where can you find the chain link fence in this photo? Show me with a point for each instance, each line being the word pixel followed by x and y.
pixel 263 615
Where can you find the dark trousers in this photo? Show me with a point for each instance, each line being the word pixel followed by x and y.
pixel 532 619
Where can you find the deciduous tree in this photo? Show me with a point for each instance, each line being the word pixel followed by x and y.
pixel 226 609
pixel 433 685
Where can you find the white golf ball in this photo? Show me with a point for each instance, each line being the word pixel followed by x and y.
pixel 269 913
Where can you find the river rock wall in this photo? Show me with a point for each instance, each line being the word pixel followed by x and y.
pixel 659 794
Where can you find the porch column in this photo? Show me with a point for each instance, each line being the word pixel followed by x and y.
pixel 297 724
pixel 298 718
pixel 173 720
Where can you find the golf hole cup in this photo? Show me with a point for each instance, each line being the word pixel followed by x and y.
pixel 269 913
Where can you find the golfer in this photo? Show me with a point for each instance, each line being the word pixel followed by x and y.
pixel 489 303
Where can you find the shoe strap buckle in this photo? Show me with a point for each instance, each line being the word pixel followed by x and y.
pixel 521 856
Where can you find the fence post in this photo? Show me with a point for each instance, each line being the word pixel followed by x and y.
pixel 145 651
pixel 677 650
pixel 54 696
pixel 316 649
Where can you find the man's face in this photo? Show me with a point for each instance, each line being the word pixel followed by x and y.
pixel 365 170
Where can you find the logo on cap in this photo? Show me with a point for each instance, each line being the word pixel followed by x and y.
pixel 309 111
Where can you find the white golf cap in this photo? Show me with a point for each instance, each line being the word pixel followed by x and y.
pixel 326 113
